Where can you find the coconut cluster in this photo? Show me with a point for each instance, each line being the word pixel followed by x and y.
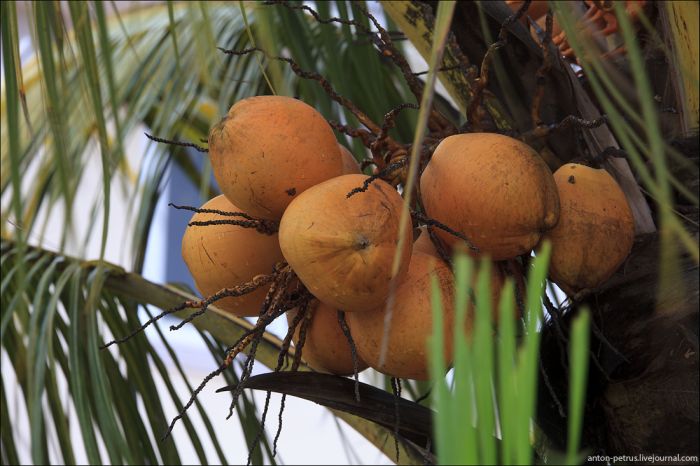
pixel 276 159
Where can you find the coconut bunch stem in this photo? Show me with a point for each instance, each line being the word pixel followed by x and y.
pixel 425 220
pixel 353 350
pixel 261 225
pixel 302 320
pixel 364 135
pixel 201 305
pixel 176 143
pixel 474 110
pixel 542 72
pixel 280 298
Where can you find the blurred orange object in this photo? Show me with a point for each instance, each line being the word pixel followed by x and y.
pixel 598 21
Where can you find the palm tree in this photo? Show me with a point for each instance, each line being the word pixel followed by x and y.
pixel 101 77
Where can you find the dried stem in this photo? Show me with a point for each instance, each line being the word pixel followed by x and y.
pixel 231 352
pixel 381 174
pixel 389 122
pixel 439 245
pixel 437 121
pixel 444 68
pixel 240 290
pixel 380 143
pixel 550 389
pixel 261 429
pixel 301 314
pixel 384 41
pixel 365 136
pixel 543 130
pixel 276 303
pixel 598 160
pixel 223 213
pixel 348 22
pixel 266 227
pixel 473 110
pixel 150 321
pixel 555 315
pixel 396 389
pixel 176 143
pixel 572 120
pixel 512 268
pixel 353 351
pixel 307 316
pixel 262 225
pixel 542 71
pixel 429 221
pixel 192 398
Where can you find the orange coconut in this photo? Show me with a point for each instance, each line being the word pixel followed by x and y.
pixel 411 322
pixel 342 248
pixel 326 348
pixel 494 189
pixel 350 164
pixel 595 231
pixel 497 283
pixel 224 256
pixel 269 149
pixel 425 245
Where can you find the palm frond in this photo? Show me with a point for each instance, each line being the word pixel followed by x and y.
pixel 51 331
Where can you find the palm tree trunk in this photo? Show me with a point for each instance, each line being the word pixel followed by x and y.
pixel 643 385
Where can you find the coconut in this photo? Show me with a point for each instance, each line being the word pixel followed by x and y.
pixel 343 248
pixel 350 164
pixel 424 244
pixel 498 280
pixel 493 189
pixel 326 348
pixel 411 322
pixel 269 149
pixel 595 232
pixel 224 256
